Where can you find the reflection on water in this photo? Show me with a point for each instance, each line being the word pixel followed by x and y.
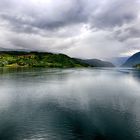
pixel 69 104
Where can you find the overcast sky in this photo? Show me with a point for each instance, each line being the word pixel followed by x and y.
pixel 79 28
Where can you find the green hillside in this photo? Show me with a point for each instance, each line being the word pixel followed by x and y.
pixel 38 59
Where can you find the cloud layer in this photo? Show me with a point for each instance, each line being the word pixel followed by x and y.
pixel 79 28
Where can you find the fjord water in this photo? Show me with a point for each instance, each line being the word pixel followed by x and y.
pixel 69 104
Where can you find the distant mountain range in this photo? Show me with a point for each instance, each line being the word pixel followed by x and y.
pixel 118 61
pixel 45 59
pixel 96 62
pixel 133 60
pixel 13 50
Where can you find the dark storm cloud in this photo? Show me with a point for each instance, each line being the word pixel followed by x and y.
pixel 70 25
pixel 115 13
pixel 71 12
pixel 105 14
pixel 133 32
pixel 127 33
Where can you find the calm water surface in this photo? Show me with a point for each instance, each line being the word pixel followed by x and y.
pixel 69 104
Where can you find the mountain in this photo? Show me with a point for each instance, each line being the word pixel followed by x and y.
pixel 133 60
pixel 96 63
pixel 37 59
pixel 10 50
pixel 118 61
